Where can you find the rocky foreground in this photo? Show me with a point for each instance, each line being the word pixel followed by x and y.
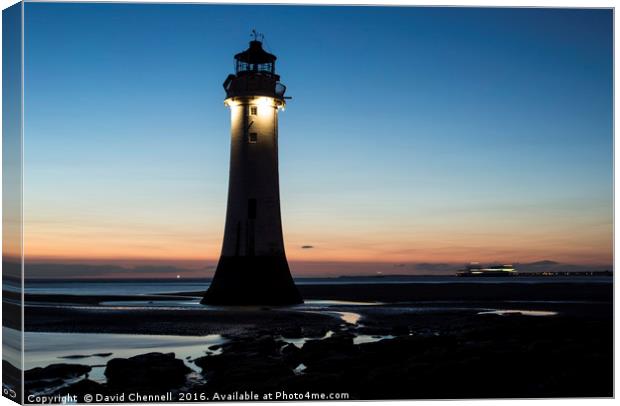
pixel 443 355
pixel 429 341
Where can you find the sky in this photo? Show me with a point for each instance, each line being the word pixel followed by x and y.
pixel 414 135
pixel 11 141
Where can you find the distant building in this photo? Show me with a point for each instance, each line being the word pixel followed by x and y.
pixel 475 269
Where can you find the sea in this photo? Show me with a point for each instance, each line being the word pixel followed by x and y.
pixel 163 286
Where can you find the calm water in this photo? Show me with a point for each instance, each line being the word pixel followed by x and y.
pixel 147 287
pixel 95 350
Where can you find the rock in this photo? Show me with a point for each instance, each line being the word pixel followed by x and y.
pixel 263 345
pixel 43 384
pixel 329 354
pixel 56 371
pixel 254 373
pixel 102 354
pixel 266 345
pixel 81 388
pixel 293 332
pixel 247 364
pixel 400 330
pixel 291 354
pixel 290 349
pixel 338 343
pixel 152 371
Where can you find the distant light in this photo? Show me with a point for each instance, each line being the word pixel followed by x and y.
pixel 178 276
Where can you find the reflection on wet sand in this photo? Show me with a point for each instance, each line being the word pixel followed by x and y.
pixel 520 312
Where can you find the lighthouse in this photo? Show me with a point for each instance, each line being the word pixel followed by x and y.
pixel 252 268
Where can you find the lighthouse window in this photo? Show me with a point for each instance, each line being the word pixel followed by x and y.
pixel 253 110
pixel 253 138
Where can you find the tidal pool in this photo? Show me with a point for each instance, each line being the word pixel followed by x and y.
pixel 521 312
pixel 96 350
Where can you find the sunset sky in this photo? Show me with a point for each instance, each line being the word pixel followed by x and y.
pixel 415 135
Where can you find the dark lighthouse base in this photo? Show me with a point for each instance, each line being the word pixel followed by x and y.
pixel 252 281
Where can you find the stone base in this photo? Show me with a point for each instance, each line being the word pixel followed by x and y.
pixel 252 281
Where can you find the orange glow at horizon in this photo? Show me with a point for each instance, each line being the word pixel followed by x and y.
pixel 191 236
pixel 195 249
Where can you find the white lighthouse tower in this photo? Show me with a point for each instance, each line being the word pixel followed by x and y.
pixel 253 268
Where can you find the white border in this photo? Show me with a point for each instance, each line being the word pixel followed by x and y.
pixel 480 3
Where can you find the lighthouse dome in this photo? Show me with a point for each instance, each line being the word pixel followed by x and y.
pixel 255 74
pixel 255 59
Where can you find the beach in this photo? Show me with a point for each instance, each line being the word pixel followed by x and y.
pixel 479 339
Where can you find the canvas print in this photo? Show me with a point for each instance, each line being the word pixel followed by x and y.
pixel 243 202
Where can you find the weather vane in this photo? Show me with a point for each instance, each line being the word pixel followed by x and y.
pixel 257 35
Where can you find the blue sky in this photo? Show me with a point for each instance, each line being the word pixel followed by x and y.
pixel 413 135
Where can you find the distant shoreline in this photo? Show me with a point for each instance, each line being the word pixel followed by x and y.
pixel 607 273
pixel 381 292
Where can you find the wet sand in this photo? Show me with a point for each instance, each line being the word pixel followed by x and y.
pixel 82 313
pixel 419 341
